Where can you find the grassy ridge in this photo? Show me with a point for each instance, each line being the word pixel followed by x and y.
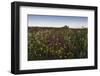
pixel 56 43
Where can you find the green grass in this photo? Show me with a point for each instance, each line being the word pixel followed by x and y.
pixel 57 43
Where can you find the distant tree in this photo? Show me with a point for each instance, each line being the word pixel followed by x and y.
pixel 82 26
pixel 66 26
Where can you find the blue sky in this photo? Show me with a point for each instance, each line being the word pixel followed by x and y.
pixel 57 21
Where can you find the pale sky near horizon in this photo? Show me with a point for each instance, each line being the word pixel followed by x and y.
pixel 57 21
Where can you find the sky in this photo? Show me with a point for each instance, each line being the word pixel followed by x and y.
pixel 57 21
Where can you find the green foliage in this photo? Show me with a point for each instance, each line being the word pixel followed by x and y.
pixel 56 43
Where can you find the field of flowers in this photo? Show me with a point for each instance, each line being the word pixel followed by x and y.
pixel 57 43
